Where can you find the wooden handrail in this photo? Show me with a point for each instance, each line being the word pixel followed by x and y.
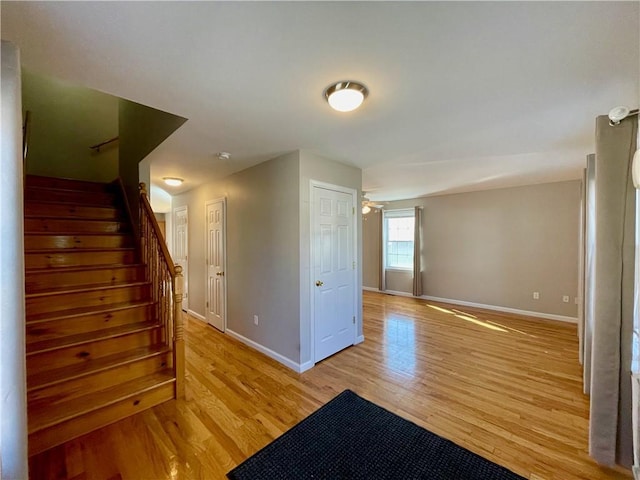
pixel 97 146
pixel 167 284
pixel 144 203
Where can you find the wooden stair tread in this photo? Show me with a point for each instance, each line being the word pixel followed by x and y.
pixel 84 288
pixel 79 268
pixel 81 234
pixel 60 183
pixel 80 250
pixel 88 337
pixel 69 372
pixel 47 413
pixel 74 219
pixel 107 200
pixel 77 312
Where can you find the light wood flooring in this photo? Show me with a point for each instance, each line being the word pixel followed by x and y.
pixel 505 387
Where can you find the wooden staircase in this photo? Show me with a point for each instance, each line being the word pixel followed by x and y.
pixel 98 349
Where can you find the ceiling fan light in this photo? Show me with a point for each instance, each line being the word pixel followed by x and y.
pixel 173 181
pixel 346 96
pixel 617 114
pixel 366 209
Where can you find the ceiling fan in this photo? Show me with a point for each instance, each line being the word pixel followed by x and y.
pixel 367 204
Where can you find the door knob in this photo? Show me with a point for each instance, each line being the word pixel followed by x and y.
pixel 220 274
pixel 319 283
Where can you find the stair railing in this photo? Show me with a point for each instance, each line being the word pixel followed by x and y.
pixel 166 284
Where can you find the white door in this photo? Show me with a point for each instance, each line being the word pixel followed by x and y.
pixel 334 283
pixel 180 248
pixel 215 260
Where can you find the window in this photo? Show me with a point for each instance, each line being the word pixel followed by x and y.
pixel 398 234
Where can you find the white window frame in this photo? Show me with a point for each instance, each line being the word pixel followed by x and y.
pixel 399 213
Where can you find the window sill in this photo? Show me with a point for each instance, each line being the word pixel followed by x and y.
pixel 398 269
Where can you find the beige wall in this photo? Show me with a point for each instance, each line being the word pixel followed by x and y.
pixel 65 121
pixel 497 247
pixel 268 260
pixel 262 252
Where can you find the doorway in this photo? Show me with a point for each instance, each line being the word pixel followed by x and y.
pixel 215 244
pixel 181 247
pixel 333 249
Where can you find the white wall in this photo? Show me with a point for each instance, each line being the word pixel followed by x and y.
pixel 13 415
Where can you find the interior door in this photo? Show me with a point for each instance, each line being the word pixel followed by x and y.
pixel 215 260
pixel 180 248
pixel 333 253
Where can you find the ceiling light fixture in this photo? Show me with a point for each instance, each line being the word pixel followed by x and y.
pixel 223 155
pixel 617 114
pixel 173 181
pixel 366 209
pixel 346 96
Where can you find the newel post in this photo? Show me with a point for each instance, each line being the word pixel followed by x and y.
pixel 178 335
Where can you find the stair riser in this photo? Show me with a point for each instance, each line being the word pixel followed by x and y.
pixel 87 323
pixel 78 258
pixel 54 225
pixel 58 434
pixel 36 209
pixel 38 281
pixel 102 298
pixel 70 196
pixel 67 184
pixel 39 362
pixel 77 387
pixel 44 241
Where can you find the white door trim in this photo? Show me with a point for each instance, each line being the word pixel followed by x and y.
pixel 354 225
pixel 206 273
pixel 185 300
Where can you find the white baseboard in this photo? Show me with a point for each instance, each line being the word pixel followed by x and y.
pixel 371 289
pixel 197 315
pixel 306 366
pixel 287 362
pixel 359 339
pixel 528 313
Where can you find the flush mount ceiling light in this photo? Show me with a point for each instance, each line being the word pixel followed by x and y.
pixel 173 181
pixel 346 96
pixel 617 114
pixel 223 155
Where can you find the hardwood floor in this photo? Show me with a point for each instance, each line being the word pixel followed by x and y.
pixel 505 387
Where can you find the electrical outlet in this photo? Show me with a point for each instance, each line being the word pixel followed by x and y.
pixel 255 319
pixel 536 295
pixel 565 298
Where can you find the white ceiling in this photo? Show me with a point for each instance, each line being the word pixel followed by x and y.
pixel 463 96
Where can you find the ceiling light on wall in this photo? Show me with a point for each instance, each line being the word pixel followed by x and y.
pixel 173 181
pixel 346 96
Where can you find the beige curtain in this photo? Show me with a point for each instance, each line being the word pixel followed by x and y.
pixel 589 269
pixel 382 281
pixel 417 253
pixel 610 436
